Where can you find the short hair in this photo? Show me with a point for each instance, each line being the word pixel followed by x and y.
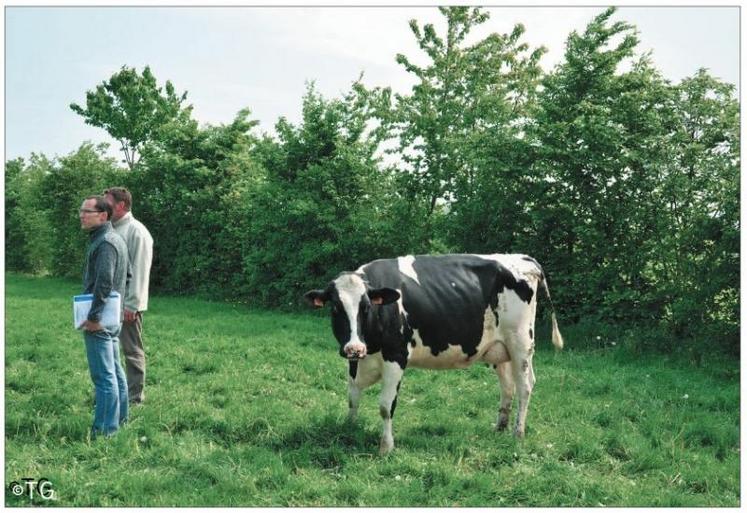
pixel 120 194
pixel 102 205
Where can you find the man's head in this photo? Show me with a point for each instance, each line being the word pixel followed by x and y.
pixel 121 201
pixel 93 212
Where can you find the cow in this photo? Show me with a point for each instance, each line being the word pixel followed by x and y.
pixel 437 312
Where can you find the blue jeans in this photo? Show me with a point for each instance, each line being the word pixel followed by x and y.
pixel 110 384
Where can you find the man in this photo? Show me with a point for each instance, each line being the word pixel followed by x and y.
pixel 105 270
pixel 140 249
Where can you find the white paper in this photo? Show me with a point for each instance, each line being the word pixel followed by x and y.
pixel 109 315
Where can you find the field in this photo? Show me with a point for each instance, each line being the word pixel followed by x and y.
pixel 247 408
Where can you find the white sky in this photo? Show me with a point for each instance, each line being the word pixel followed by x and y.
pixel 230 58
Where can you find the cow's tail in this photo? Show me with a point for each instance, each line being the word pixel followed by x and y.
pixel 557 338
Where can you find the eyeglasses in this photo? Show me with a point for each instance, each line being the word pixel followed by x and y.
pixel 88 211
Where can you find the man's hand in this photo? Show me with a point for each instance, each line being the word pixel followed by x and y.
pixel 129 315
pixel 91 326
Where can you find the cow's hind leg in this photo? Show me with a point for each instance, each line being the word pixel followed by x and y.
pixel 506 380
pixel 391 379
pixel 522 350
pixel 500 359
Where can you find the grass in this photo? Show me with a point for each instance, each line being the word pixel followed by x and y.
pixel 247 408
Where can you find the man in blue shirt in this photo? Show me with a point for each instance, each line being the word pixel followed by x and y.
pixel 105 271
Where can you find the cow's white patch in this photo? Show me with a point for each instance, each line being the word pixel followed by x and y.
pixel 369 370
pixel 515 315
pixel 405 267
pixel 351 289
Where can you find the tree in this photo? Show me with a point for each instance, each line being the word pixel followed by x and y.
pixel 323 207
pixel 600 144
pixel 186 194
pixel 132 108
pixel 467 96
pixel 81 173
pixel 700 195
pixel 16 238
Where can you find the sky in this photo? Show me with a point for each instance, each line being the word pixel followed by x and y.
pixel 261 58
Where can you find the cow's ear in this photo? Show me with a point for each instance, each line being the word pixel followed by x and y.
pixel 383 296
pixel 316 298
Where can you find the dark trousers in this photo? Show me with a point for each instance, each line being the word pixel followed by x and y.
pixel 131 338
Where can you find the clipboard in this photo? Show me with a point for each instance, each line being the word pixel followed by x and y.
pixel 110 315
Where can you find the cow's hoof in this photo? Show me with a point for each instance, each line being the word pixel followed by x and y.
pixel 519 433
pixel 385 447
pixel 501 426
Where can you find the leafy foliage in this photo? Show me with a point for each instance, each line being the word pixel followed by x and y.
pixel 43 226
pixel 595 149
pixel 187 194
pixel 132 108
pixel 15 234
pixel 460 129
pixel 324 204
pixel 80 174
pixel 700 189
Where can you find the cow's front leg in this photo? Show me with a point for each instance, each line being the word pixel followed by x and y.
pixel 354 398
pixel 361 375
pixel 391 379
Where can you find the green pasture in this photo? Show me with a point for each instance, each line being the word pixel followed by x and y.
pixel 247 408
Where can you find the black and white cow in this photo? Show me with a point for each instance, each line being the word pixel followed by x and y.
pixel 437 312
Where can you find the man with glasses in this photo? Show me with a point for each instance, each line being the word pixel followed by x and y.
pixel 140 250
pixel 105 271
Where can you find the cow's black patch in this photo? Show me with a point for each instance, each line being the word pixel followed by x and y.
pixel 530 259
pixel 340 323
pixel 531 333
pixel 507 280
pixel 395 355
pixel 353 369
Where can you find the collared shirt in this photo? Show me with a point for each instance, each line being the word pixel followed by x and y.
pixel 140 250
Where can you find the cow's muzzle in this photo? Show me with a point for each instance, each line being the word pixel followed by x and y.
pixel 355 351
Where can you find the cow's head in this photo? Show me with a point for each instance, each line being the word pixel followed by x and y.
pixel 352 303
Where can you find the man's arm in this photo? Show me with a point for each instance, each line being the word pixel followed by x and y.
pixel 106 261
pixel 140 250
